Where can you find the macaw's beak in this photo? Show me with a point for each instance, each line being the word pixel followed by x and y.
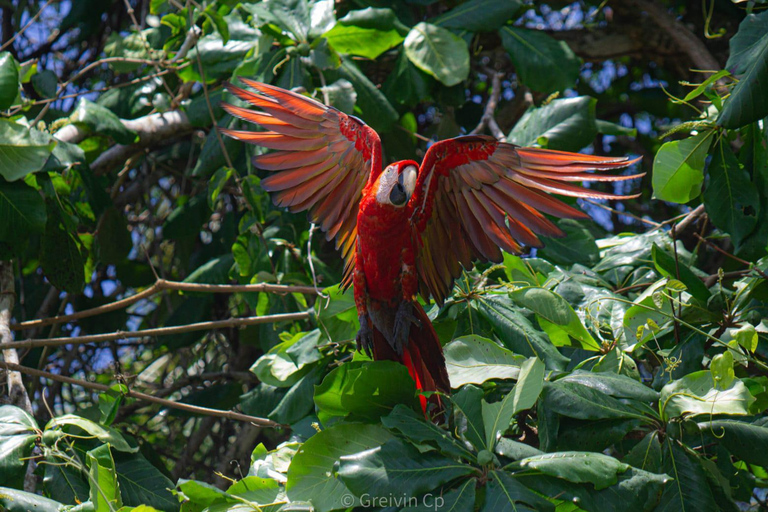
pixel 397 196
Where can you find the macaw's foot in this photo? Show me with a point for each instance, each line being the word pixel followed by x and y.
pixel 403 320
pixel 365 336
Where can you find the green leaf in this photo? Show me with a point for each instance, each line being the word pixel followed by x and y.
pixel 474 360
pixel 61 259
pixel 579 467
pixel 365 389
pixel 142 483
pixel 722 370
pixel 412 426
pixel 365 42
pixel 688 490
pixel 312 477
pixel 646 454
pixel 678 168
pixel 555 314
pixel 665 264
pixel 102 121
pixel 731 201
pixel 109 403
pixel 517 332
pixel 22 151
pixel 102 433
pixel 105 493
pixel 341 95
pixel 64 483
pixel 17 439
pixel 696 394
pixel 9 80
pixel 567 124
pixel 747 441
pixel 711 79
pixel 612 384
pixel 406 84
pixel 503 493
pixel 377 111
pixel 22 209
pixel 187 219
pixel 45 83
pixel 748 60
pixel 467 406
pixel 541 62
pixel 217 183
pixel 746 336
pixel 478 15
pixel 397 468
pixel 438 52
pixel 578 245
pixel 578 401
pixel 456 500
pixel 13 500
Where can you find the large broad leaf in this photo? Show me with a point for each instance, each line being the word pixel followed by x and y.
pixel 678 168
pixel 634 490
pixel 64 483
pixel 102 121
pixel 576 400
pixel 667 266
pixel 456 500
pixel 376 109
pixel 579 467
pixel 9 80
pixel 503 493
pixel 406 84
pixel 696 394
pixel 438 52
pixel 749 60
pixel 467 407
pixel 478 15
pixel 578 245
pixel 61 259
pixel 731 201
pixel 141 483
pixel 516 331
pixel 17 438
pixel 474 360
pixel 365 389
pixel 398 468
pixel 566 124
pixel 556 317
pixel 541 62
pixel 498 415
pixel 22 151
pixel 617 386
pixel 747 441
pixel 311 476
pixel 23 212
pixel 102 433
pixel 12 500
pixel 689 490
pixel 363 35
pixel 425 434
pixel 102 477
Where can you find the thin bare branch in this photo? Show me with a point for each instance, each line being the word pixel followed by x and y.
pixel 159 331
pixel 488 121
pixel 161 285
pixel 231 415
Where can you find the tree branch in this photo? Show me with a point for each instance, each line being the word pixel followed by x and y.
pixel 160 331
pixel 195 409
pixel 161 285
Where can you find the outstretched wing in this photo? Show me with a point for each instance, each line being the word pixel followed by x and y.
pixel 323 159
pixel 475 196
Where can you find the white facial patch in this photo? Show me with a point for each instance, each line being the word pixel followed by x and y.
pixel 386 182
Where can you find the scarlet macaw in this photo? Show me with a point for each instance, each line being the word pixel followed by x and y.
pixel 409 229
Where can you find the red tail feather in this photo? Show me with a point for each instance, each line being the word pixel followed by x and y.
pixel 423 356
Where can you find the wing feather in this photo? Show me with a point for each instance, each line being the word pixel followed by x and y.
pixel 475 196
pixel 322 161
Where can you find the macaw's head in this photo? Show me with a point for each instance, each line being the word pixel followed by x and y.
pixel 397 183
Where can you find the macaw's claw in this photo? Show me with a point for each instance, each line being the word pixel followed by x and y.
pixel 403 320
pixel 364 337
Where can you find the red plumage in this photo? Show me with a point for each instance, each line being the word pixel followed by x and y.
pixel 409 229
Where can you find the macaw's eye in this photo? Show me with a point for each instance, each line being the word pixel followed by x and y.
pixel 397 196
